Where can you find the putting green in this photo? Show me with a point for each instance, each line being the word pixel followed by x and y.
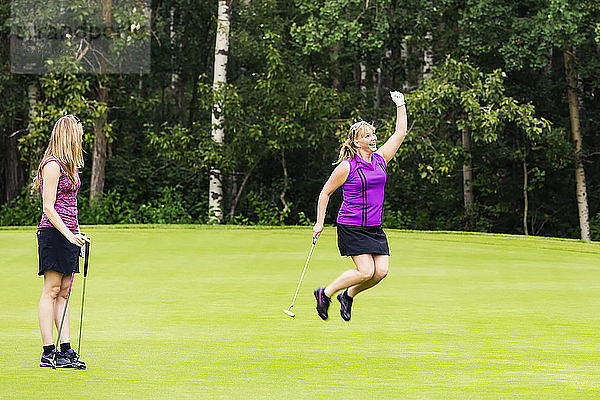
pixel 196 312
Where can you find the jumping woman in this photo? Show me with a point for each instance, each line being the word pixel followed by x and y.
pixel 58 237
pixel 362 172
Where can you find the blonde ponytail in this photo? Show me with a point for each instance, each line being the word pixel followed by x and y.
pixel 347 152
pixel 358 130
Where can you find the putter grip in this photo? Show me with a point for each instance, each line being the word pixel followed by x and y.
pixel 87 256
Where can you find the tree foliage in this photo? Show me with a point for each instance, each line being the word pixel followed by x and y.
pixel 299 73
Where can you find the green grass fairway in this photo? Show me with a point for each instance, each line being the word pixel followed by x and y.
pixel 196 313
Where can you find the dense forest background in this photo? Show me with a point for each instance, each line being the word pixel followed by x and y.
pixel 501 99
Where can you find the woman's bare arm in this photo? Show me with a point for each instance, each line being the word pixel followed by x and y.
pixel 389 149
pixel 51 175
pixel 337 179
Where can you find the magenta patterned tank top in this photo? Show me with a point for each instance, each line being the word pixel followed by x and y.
pixel 66 200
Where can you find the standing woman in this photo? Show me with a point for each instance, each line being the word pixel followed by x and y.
pixel 362 172
pixel 58 236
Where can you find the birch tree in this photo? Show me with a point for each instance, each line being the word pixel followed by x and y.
pixel 215 192
pixel 573 89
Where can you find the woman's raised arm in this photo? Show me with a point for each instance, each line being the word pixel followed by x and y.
pixel 389 149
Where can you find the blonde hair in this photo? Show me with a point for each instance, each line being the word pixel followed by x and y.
pixel 66 147
pixel 358 130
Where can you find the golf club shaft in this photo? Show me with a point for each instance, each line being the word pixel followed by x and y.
pixel 85 270
pixel 62 321
pixel 303 271
pixel 81 318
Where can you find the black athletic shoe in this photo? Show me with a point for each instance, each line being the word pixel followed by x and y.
pixel 322 303
pixel 345 305
pixel 47 359
pixel 74 357
pixel 69 359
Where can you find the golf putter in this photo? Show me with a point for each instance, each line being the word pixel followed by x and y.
pixel 288 310
pixel 86 249
pixel 63 320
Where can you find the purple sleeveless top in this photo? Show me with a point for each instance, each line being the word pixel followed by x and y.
pixel 66 200
pixel 363 192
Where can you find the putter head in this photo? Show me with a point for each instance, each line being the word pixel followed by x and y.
pixel 288 312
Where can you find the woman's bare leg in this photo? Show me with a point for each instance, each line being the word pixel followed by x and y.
pixel 382 265
pixel 59 307
pixel 365 268
pixel 50 291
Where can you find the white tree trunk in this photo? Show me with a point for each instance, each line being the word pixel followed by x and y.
pixel 427 58
pixel 377 87
pixel 176 83
pixel 467 181
pixel 215 194
pixel 525 195
pixel 404 56
pixel 286 206
pixel 584 220
pixel 363 78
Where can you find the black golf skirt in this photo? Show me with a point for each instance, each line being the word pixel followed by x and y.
pixel 355 240
pixel 55 252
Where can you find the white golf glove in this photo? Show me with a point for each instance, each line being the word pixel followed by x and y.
pixel 398 98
